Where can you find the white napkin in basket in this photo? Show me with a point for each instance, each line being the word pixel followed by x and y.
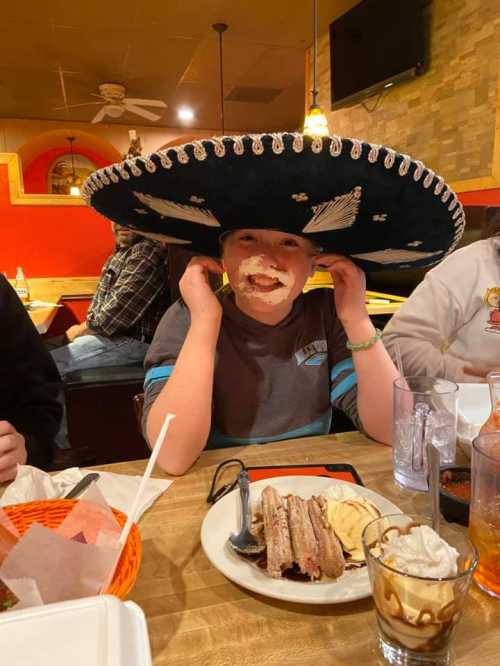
pixel 119 490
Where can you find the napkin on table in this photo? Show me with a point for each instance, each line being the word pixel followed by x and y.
pixel 119 490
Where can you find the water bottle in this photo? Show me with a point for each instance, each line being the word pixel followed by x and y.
pixel 21 286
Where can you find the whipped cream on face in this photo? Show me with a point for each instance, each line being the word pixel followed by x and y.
pixel 253 273
pixel 422 552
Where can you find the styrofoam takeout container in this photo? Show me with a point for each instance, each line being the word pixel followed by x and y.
pixel 95 631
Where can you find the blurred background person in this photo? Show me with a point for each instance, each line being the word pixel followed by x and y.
pixel 30 413
pixel 130 299
pixel 450 325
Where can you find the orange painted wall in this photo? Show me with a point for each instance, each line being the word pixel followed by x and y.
pixel 481 198
pixel 51 241
pixel 35 173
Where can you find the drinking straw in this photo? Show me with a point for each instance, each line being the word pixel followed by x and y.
pixel 399 358
pixel 135 504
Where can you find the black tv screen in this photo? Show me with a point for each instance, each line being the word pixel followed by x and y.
pixel 376 44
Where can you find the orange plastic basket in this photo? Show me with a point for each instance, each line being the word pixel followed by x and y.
pixel 51 513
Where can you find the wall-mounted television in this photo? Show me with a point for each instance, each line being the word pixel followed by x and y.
pixel 375 45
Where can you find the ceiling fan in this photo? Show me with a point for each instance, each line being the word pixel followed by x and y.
pixel 114 104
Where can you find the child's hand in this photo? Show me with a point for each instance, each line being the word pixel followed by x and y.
pixel 480 373
pixel 12 451
pixel 196 290
pixel 350 286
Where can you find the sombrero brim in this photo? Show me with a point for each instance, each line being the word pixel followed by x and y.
pixel 381 208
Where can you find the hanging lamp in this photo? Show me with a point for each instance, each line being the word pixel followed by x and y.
pixel 220 28
pixel 315 123
pixel 74 190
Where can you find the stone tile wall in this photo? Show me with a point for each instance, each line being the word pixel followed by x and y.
pixel 446 117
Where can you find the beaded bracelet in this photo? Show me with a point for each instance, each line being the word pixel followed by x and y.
pixel 365 345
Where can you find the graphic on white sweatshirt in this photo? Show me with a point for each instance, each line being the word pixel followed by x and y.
pixel 492 299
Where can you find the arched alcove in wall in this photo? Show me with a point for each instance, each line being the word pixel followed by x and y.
pixel 38 154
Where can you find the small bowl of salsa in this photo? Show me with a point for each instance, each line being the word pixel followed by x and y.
pixel 454 494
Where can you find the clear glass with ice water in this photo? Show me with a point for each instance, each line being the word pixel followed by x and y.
pixel 425 410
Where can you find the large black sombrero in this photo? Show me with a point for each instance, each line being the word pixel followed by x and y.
pixel 381 208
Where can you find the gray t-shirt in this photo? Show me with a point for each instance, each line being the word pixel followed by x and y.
pixel 270 382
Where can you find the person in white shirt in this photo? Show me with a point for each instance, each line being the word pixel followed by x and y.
pixel 450 325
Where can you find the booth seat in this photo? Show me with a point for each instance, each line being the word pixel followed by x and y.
pixel 102 424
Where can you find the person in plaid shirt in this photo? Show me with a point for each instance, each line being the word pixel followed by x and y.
pixel 130 299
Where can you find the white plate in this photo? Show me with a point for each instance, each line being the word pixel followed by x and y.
pixel 474 407
pixel 224 518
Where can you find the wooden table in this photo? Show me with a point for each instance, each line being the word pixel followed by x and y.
pixel 196 616
pixel 43 317
pixel 54 290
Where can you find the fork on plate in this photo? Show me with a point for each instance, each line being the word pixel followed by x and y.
pixel 245 542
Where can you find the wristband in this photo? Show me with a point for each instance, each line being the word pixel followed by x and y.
pixel 361 346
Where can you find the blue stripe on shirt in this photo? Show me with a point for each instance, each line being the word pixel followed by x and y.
pixel 161 372
pixel 342 387
pixel 319 427
pixel 346 364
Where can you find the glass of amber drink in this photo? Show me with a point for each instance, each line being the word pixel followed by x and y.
pixel 484 522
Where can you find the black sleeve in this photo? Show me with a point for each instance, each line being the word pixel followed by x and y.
pixel 29 380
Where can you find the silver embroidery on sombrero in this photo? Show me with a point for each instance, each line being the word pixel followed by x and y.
pixel 391 256
pixel 339 213
pixel 278 143
pixel 199 151
pixel 219 148
pixel 238 146
pixel 132 165
pixel 317 144
pixel 417 174
pixel 162 237
pixel 389 158
pixel 179 211
pixel 404 165
pixel 165 160
pixel 300 196
pixel 335 146
pixel 373 154
pixel 356 149
pixel 298 143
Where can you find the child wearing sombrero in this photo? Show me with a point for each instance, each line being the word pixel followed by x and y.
pixel 265 361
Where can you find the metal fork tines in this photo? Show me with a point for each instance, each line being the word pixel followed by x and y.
pixel 245 542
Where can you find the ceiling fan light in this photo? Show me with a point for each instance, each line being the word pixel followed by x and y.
pixel 114 110
pixel 315 123
pixel 185 113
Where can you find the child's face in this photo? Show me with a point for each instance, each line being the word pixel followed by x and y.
pixel 267 269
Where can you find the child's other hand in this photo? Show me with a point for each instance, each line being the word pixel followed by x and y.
pixel 480 373
pixel 196 290
pixel 12 451
pixel 350 287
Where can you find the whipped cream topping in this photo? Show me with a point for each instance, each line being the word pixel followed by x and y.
pixel 422 552
pixel 254 275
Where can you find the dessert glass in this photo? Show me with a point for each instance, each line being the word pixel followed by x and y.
pixel 416 615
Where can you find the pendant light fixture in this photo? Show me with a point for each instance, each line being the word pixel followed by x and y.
pixel 315 123
pixel 74 190
pixel 220 28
